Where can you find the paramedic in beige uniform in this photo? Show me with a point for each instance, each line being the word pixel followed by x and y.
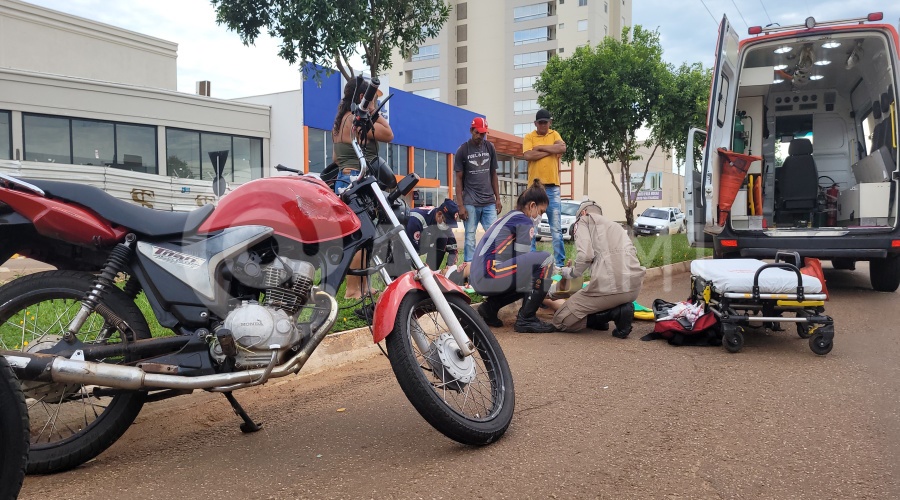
pixel 616 276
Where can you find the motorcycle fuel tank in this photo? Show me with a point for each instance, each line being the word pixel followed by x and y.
pixel 300 208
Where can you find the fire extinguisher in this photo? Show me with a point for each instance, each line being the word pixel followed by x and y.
pixel 831 198
pixel 740 138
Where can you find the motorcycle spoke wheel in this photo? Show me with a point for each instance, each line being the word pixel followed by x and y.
pixel 469 399
pixel 70 423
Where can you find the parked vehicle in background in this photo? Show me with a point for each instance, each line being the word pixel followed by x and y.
pixel 655 221
pixel 568 214
pixel 814 107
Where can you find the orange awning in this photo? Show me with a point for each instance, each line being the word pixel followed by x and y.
pixel 504 143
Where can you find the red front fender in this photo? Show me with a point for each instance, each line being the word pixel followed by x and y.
pixel 389 303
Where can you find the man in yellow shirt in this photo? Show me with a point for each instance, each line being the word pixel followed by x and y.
pixel 543 148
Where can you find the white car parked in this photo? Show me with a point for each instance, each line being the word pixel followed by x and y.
pixel 567 214
pixel 659 220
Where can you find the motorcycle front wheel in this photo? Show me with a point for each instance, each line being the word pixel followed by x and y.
pixel 70 423
pixel 468 399
pixel 13 432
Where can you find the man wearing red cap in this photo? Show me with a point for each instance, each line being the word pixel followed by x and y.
pixel 477 187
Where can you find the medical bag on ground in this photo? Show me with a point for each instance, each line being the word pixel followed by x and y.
pixel 684 323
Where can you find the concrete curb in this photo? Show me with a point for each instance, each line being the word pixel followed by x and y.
pixel 339 349
pixel 669 270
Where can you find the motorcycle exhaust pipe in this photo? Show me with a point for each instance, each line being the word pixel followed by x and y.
pixel 70 371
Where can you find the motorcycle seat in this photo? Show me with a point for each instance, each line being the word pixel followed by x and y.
pixel 141 220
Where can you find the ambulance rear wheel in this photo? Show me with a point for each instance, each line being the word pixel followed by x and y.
pixel 885 274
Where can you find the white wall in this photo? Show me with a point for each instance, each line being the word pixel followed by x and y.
pixel 36 39
pixel 286 124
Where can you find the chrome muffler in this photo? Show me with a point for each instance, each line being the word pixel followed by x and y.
pixel 73 371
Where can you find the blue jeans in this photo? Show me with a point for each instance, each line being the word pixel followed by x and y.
pixel 553 216
pixel 486 215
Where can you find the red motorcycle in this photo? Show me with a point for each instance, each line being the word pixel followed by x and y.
pixel 248 287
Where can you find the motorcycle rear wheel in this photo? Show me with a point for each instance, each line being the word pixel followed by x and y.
pixel 469 400
pixel 13 432
pixel 70 424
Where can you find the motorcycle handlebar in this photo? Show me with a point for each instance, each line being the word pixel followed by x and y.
pixel 370 94
pixel 282 168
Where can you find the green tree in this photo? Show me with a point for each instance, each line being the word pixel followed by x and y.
pixel 327 32
pixel 601 96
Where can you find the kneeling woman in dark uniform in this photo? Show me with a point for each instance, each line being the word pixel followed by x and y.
pixel 505 269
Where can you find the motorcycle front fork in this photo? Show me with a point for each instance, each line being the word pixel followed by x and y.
pixel 426 276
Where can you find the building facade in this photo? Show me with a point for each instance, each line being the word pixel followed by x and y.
pixel 488 57
pixel 489 54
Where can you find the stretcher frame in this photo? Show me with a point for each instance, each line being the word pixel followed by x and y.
pixel 737 310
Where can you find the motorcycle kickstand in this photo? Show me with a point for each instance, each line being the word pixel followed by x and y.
pixel 249 425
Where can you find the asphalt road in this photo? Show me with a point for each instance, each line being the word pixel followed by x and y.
pixel 595 417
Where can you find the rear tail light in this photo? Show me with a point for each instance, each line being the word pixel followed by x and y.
pixel 728 243
pixel 895 244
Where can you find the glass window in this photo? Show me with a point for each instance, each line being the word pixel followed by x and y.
pixel 398 158
pixel 582 25
pixel 521 129
pixel 605 6
pixel 320 150
pixel 247 159
pixel 528 12
pixel 5 135
pixel 183 154
pixel 429 93
pixel 524 83
pixel 533 35
pixel 213 143
pixel 442 168
pixel 419 162
pixel 427 52
pixel 722 100
pixel 522 170
pixel 867 123
pixel 136 148
pixel 530 59
pixel 525 106
pixel 425 74
pixel 93 143
pixel 47 139
pixel 582 3
pixel 90 142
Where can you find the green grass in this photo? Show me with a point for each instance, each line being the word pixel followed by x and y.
pixel 652 251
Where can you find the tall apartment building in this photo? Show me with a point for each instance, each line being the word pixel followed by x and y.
pixel 490 52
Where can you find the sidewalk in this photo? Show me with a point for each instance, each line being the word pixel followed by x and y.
pixel 19 266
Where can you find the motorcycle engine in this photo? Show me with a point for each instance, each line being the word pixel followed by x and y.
pixel 256 326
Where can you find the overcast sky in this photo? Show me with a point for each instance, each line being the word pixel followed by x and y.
pixel 207 51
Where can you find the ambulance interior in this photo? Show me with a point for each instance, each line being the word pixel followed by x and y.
pixel 821 112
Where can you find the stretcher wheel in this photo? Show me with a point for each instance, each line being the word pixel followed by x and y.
pixel 804 330
pixel 733 340
pixel 820 345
